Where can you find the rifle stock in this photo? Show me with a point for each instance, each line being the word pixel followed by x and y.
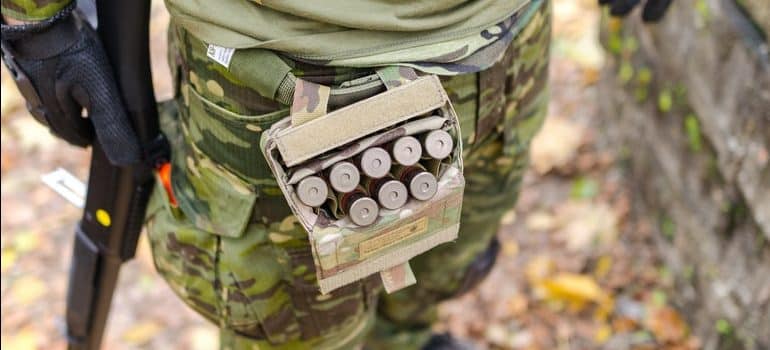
pixel 108 232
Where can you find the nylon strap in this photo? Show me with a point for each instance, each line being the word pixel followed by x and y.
pixel 310 101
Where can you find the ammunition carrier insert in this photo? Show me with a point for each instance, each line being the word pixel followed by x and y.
pixel 355 233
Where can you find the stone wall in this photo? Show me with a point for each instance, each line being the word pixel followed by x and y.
pixel 687 102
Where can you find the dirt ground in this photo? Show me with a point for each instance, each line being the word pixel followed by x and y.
pixel 575 272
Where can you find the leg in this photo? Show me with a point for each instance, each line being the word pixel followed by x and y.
pixel 231 249
pixel 494 165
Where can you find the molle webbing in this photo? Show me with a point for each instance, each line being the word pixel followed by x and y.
pixel 349 123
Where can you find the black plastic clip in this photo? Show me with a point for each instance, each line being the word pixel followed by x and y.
pixel 157 152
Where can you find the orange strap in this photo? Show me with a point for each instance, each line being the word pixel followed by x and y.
pixel 164 173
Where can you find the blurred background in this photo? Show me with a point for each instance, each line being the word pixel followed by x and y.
pixel 642 224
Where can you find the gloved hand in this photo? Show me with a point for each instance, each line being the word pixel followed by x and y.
pixel 60 68
pixel 653 9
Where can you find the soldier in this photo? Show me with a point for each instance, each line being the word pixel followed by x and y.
pixel 231 248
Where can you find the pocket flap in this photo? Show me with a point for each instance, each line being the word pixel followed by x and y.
pixel 362 118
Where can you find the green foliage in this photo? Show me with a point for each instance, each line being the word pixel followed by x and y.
pixel 688 272
pixel 665 100
pixel 644 76
pixel 626 72
pixel 641 93
pixel 615 43
pixel 723 327
pixel 692 127
pixel 668 228
pixel 630 45
pixel 583 188
pixel 702 8
pixel 659 298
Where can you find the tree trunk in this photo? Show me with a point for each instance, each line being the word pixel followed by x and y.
pixel 687 102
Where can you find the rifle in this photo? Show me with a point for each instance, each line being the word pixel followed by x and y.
pixel 116 200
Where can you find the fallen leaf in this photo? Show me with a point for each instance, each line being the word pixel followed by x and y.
pixel 575 289
pixel 203 338
pixel 510 248
pixel 590 76
pixel 538 268
pixel 658 298
pixel 518 304
pixel 603 333
pixel 27 289
pixel 8 259
pixel 521 340
pixel 583 223
pixel 555 145
pixel 26 241
pixel 603 266
pixel 508 218
pixel 623 324
pixel 502 337
pixel 541 221
pixel 666 325
pixel 27 338
pixel 141 333
pixel 496 334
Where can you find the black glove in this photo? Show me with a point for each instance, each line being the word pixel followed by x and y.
pixel 653 9
pixel 60 68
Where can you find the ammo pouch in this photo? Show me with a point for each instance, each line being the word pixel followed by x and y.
pixel 311 140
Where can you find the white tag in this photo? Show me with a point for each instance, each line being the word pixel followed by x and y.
pixel 221 55
pixel 67 186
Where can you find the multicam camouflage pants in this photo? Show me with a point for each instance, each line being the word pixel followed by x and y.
pixel 229 246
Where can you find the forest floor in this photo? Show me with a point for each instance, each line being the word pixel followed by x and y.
pixel 576 271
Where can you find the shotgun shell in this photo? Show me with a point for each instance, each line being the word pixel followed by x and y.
pixel 389 192
pixel 361 209
pixel 406 150
pixel 374 162
pixel 343 176
pixel 312 191
pixel 422 185
pixel 437 144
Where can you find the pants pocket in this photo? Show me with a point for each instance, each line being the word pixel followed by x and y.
pixel 228 138
pixel 217 165
pixel 186 258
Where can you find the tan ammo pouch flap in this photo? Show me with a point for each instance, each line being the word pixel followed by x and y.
pixel 363 118
pixel 312 140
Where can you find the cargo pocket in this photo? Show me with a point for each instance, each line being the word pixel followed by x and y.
pixel 230 139
pixel 185 257
pixel 183 244
pixel 217 164
pixel 255 289
pixel 220 263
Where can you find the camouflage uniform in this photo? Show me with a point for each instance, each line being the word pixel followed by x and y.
pixel 228 244
pixel 32 10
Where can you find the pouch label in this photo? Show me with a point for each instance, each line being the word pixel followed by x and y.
pixel 390 238
pixel 221 55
